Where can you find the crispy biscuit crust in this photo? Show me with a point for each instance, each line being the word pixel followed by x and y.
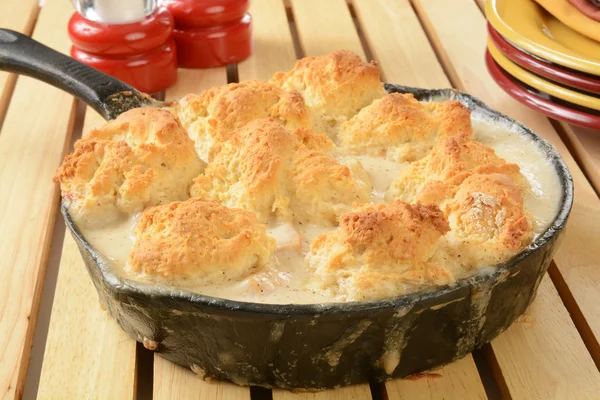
pixel 200 239
pixel 336 86
pixel 487 220
pixel 142 158
pixel 431 179
pixel 214 114
pixel 379 250
pixel 401 128
pixel 272 171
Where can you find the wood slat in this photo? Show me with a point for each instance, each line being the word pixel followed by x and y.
pixel 87 354
pixel 395 37
pixel 325 26
pixel 417 65
pixel 461 47
pixel 585 147
pixel 35 133
pixel 172 382
pixel 357 392
pixel 558 370
pixel 273 45
pixel 459 380
pixel 18 15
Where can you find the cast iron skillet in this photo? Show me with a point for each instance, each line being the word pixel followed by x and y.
pixel 313 346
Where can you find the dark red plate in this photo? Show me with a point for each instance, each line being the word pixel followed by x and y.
pixel 547 70
pixel 572 114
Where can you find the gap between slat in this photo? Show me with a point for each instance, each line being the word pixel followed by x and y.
pixel 232 73
pixel 144 372
pixel 438 49
pixel 492 362
pixel 260 393
pixel 361 36
pixel 576 149
pixel 576 315
pixel 294 32
pixel 491 381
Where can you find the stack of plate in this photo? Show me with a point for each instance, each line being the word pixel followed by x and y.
pixel 550 62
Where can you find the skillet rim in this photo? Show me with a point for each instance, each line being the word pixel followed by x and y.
pixel 128 287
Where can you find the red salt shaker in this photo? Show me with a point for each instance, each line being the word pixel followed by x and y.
pixel 131 41
pixel 211 33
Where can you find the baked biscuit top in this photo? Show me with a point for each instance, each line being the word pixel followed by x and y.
pixel 211 116
pixel 199 239
pixel 142 158
pixel 379 250
pixel 402 128
pixel 450 161
pixel 274 172
pixel 336 86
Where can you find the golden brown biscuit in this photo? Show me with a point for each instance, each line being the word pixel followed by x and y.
pixel 211 116
pixel 250 170
pixel 379 250
pixel 401 128
pixel 336 86
pixel 200 240
pixel 142 158
pixel 269 170
pixel 449 163
pixel 488 223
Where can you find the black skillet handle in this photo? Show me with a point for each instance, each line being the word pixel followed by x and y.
pixel 109 96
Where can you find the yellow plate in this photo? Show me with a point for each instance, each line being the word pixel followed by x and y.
pixel 529 26
pixel 572 17
pixel 540 83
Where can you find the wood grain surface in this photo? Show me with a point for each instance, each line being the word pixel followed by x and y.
pixel 34 135
pixel 87 354
pixel 584 145
pixel 553 351
pixel 397 41
pixel 273 45
pixel 329 29
pixel 17 15
pixel 357 392
pixel 172 382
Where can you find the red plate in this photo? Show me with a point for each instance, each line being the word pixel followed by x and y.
pixel 547 70
pixel 533 100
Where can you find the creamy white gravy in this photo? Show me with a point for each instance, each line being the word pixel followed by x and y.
pixel 284 280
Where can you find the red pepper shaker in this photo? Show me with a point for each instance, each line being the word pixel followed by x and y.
pixel 211 33
pixel 130 40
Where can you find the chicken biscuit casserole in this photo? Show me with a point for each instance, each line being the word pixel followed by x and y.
pixel 317 186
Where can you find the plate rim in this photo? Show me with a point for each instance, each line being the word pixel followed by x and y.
pixel 547 53
pixel 541 67
pixel 540 83
pixel 536 102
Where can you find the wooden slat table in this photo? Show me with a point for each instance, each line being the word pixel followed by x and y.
pixel 553 351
